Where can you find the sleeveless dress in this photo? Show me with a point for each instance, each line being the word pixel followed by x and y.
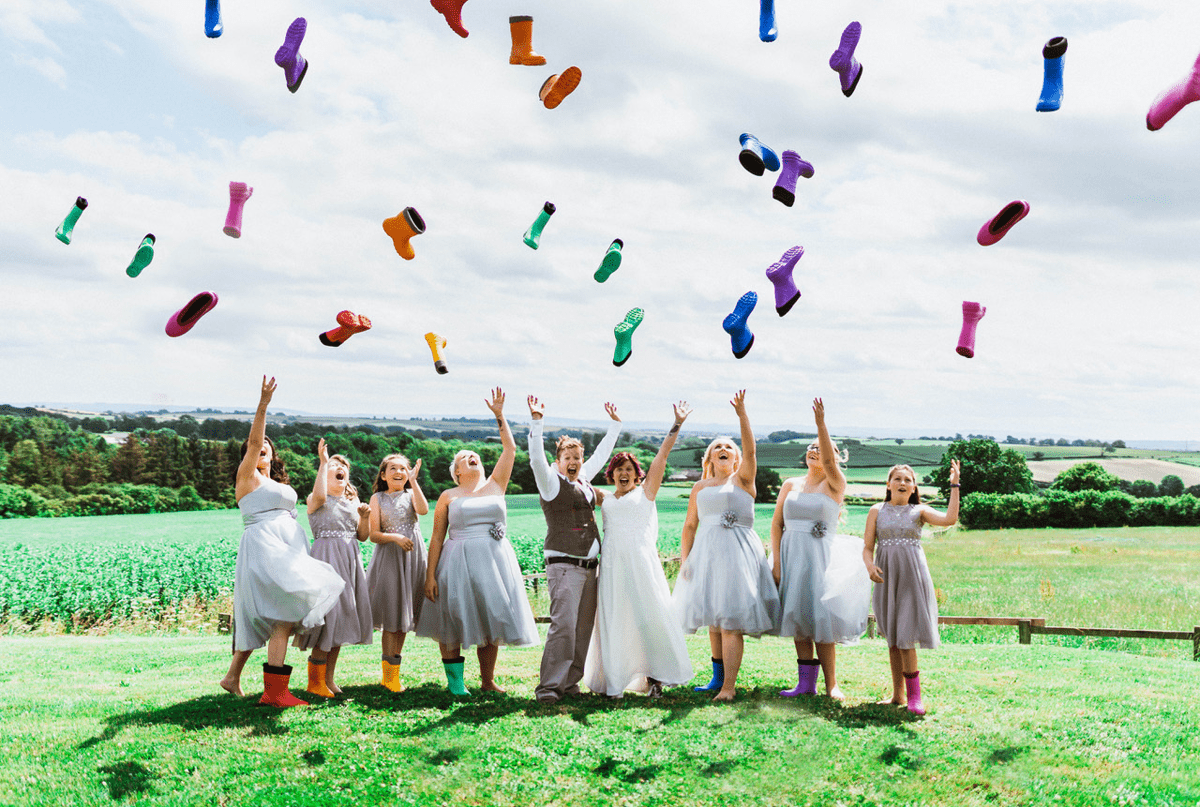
pixel 275 580
pixel 818 601
pixel 334 527
pixel 635 636
pixel 726 582
pixel 396 577
pixel 481 596
pixel 905 602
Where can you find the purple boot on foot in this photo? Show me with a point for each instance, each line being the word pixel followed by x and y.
pixel 912 686
pixel 843 61
pixel 780 275
pixel 807 684
pixel 288 56
pixel 793 167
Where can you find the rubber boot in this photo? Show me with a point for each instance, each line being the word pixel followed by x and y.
pixel 391 674
pixel 436 344
pixel 185 318
pixel 843 62
pixel 275 687
pixel 559 86
pixel 452 11
pixel 316 679
pixel 533 235
pixel 806 675
pixel 793 167
pixel 522 42
pixel 143 256
pixel 912 687
pixel 780 275
pixel 63 233
pixel 766 21
pixel 239 192
pixel 998 225
pixel 756 157
pixel 454 676
pixel 624 333
pixel 401 228
pixel 718 678
pixel 1052 82
pixel 1167 105
pixel 349 324
pixel 288 56
pixel 735 325
pixel 972 313
pixel 213 27
pixel 611 261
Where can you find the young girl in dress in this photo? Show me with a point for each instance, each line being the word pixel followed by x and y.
pixel 905 605
pixel 636 644
pixel 724 580
pixel 397 573
pixel 338 521
pixel 815 608
pixel 277 587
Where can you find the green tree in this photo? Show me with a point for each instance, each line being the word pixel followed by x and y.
pixel 985 468
pixel 766 484
pixel 128 462
pixel 24 464
pixel 1085 476
pixel 1171 485
pixel 1143 489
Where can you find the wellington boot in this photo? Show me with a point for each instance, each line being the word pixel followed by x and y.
pixel 316 679
pixel 275 687
pixel 912 688
pixel 436 345
pixel 522 42
pixel 454 676
pixel 401 228
pixel 391 676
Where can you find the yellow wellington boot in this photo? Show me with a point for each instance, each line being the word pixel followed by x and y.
pixel 522 42
pixel 316 679
pixel 402 228
pixel 391 675
pixel 436 345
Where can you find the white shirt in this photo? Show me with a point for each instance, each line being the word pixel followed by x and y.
pixel 549 479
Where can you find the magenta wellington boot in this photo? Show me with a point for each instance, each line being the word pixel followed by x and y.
pixel 239 192
pixel 999 225
pixel 972 313
pixel 912 686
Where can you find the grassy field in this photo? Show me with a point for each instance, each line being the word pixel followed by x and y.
pixel 138 720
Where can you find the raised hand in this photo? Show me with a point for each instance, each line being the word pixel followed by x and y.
pixel 497 403
pixel 739 402
pixel 415 473
pixel 611 409
pixel 268 389
pixel 681 412
pixel 955 471
pixel 322 451
pixel 819 410
pixel 536 407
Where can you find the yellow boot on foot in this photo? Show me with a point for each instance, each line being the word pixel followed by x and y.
pixel 391 676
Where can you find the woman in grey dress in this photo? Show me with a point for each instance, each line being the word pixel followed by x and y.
pixel 905 604
pixel 396 576
pixel 338 521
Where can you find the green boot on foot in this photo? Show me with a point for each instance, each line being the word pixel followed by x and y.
pixel 454 676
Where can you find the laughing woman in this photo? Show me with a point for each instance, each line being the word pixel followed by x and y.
pixel 724 580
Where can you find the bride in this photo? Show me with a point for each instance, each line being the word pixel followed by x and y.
pixel 636 644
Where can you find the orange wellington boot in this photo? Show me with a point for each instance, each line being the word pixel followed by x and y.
pixel 391 676
pixel 275 687
pixel 401 228
pixel 316 679
pixel 522 37
pixel 559 86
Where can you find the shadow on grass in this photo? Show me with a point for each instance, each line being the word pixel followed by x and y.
pixel 125 778
pixel 616 769
pixel 204 712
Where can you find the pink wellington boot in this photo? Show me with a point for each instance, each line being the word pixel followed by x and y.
pixel 1167 105
pixel 239 192
pixel 912 686
pixel 972 313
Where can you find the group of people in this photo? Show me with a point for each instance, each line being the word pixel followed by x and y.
pixel 614 626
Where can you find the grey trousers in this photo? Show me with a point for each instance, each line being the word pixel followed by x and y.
pixel 572 614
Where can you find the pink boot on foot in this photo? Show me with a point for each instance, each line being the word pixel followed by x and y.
pixel 912 686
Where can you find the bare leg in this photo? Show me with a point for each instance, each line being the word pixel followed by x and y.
pixel 732 645
pixel 898 695
pixel 330 664
pixel 278 643
pixel 908 660
pixel 392 641
pixel 827 653
pixel 804 648
pixel 714 641
pixel 487 666
pixel 232 682
pixel 449 651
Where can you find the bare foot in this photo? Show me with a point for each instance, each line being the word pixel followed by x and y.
pixel 490 687
pixel 724 696
pixel 896 700
pixel 334 688
pixel 233 686
pixel 835 693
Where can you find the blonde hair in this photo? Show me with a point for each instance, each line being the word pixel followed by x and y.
pixel 466 452
pixel 915 496
pixel 381 484
pixel 706 464
pixel 351 492
pixel 841 456
pixel 564 443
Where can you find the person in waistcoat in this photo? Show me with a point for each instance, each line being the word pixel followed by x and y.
pixel 572 549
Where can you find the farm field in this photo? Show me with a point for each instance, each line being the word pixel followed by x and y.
pixel 1129 469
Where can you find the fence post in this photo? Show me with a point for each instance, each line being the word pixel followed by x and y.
pixel 871 626
pixel 1196 643
pixel 1024 632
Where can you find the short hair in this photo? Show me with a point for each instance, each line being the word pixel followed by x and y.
pixel 915 496
pixel 618 460
pixel 564 443
pixel 706 463
pixel 380 485
pixel 278 470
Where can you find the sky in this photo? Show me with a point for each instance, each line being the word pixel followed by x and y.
pixel 1091 325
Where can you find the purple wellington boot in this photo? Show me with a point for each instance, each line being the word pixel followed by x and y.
pixel 793 167
pixel 912 686
pixel 807 674
pixel 780 275
pixel 288 56
pixel 843 61
pixel 972 313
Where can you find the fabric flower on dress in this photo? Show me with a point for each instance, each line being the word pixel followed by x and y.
pixel 497 531
pixel 818 529
pixel 728 519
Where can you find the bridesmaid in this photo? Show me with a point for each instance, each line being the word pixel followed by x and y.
pixel 397 572
pixel 473 581
pixel 338 521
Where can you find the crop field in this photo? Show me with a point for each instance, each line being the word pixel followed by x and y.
pixel 1129 469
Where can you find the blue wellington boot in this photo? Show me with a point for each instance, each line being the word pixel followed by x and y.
pixel 741 339
pixel 766 21
pixel 1052 83
pixel 756 157
pixel 718 678
pixel 213 27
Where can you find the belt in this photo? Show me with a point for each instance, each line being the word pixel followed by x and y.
pixel 580 562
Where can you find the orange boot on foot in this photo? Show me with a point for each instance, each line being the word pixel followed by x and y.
pixel 402 228
pixel 391 674
pixel 522 46
pixel 316 679
pixel 275 687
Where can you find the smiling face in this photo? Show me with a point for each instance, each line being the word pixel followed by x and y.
pixel 265 455
pixel 812 457
pixel 468 468
pixel 396 474
pixel 723 457
pixel 570 462
pixel 336 477
pixel 625 477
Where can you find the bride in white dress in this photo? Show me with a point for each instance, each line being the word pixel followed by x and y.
pixel 636 644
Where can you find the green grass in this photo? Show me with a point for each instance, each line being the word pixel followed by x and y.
pixel 91 721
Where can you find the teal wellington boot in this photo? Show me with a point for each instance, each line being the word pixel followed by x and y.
pixel 534 234
pixel 454 676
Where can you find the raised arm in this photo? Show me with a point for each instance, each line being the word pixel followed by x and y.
pixel 599 459
pixel 873 571
pixel 316 499
pixel 246 480
pixel 950 517
pixel 654 476
pixel 543 474
pixel 419 503
pixel 749 467
pixel 829 460
pixel 777 530
pixel 441 520
pixel 503 470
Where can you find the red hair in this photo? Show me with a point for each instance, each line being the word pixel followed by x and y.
pixel 618 460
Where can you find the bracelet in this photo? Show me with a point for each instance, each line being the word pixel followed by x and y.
pixel 955 486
